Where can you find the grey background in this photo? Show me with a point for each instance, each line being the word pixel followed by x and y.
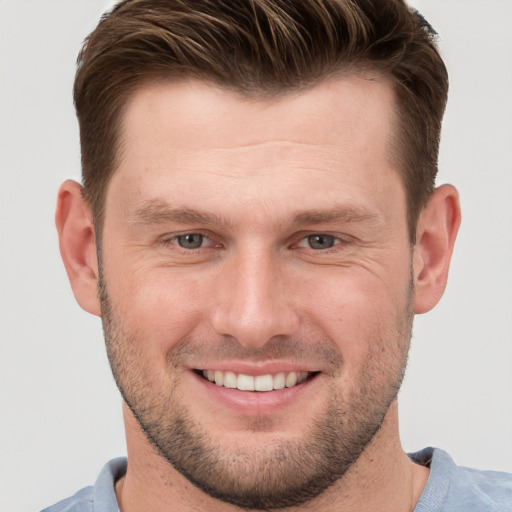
pixel 60 413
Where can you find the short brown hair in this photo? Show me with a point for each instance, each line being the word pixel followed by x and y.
pixel 261 47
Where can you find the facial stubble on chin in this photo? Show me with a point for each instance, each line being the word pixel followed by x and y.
pixel 271 476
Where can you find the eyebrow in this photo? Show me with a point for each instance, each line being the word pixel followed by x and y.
pixel 345 215
pixel 159 212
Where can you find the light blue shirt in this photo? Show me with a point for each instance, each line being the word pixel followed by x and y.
pixel 450 488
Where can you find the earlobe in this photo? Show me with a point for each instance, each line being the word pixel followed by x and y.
pixel 435 237
pixel 77 245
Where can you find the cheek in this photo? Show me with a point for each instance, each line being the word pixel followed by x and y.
pixel 160 307
pixel 360 312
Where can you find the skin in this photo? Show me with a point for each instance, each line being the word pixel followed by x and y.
pixel 256 297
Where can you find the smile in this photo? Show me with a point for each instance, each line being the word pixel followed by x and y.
pixel 244 382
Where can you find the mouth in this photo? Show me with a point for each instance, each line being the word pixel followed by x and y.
pixel 261 383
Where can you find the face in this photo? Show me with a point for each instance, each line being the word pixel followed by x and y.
pixel 256 282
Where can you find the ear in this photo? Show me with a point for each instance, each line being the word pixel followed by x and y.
pixel 78 245
pixel 437 229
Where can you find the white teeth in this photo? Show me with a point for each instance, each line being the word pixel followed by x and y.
pixel 263 383
pixel 230 380
pixel 291 380
pixel 259 383
pixel 301 377
pixel 279 381
pixel 219 378
pixel 245 382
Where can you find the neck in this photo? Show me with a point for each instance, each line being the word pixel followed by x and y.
pixel 383 478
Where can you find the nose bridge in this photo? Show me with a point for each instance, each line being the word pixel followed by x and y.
pixel 252 304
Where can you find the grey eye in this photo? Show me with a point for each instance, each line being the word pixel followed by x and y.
pixel 190 240
pixel 321 241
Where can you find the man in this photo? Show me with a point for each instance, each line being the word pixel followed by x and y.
pixel 257 226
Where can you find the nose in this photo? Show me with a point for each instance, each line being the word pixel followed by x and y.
pixel 255 299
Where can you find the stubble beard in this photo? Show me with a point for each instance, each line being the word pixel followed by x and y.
pixel 278 475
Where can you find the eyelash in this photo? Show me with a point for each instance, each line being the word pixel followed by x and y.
pixel 308 240
pixel 174 240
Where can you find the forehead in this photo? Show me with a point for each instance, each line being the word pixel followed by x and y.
pixel 333 138
pixel 348 105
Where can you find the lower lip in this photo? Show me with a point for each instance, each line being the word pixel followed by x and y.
pixel 256 402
